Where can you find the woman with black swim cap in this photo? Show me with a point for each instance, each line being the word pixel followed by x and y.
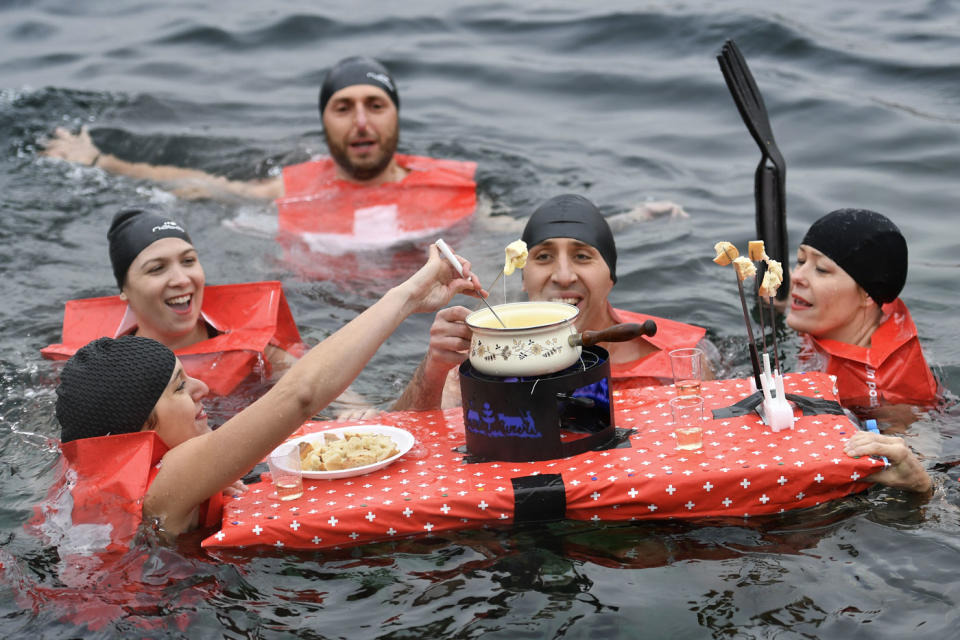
pixel 118 388
pixel 222 333
pixel 851 268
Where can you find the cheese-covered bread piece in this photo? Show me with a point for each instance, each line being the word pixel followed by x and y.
pixel 725 253
pixel 745 267
pixel 770 284
pixel 516 257
pixel 776 268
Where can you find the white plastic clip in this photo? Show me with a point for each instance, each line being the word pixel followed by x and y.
pixel 775 410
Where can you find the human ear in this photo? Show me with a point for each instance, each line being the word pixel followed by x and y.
pixel 123 296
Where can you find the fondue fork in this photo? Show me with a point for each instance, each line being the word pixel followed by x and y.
pixel 773 329
pixel 754 358
pixel 448 254
pixel 495 281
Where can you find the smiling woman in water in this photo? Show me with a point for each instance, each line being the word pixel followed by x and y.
pixel 115 392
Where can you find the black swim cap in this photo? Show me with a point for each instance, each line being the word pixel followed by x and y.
pixel 865 244
pixel 134 229
pixel 572 216
pixel 357 70
pixel 110 386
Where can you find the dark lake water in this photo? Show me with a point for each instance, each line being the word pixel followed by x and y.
pixel 623 103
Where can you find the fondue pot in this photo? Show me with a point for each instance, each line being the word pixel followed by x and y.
pixel 539 338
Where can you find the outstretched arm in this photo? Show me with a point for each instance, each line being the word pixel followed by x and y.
pixel 191 184
pixel 449 344
pixel 203 466
pixel 905 470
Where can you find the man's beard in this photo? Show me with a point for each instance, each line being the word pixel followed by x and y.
pixel 367 172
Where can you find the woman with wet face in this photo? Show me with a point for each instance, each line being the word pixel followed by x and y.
pixel 222 333
pixel 851 268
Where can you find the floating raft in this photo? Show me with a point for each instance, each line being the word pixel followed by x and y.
pixel 744 469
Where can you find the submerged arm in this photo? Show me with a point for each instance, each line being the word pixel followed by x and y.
pixel 191 184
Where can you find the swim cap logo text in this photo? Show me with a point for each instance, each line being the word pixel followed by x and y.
pixel 168 225
pixel 382 79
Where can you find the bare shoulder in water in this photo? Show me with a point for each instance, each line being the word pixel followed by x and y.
pixel 505 223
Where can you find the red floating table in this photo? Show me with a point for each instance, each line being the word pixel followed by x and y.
pixel 743 469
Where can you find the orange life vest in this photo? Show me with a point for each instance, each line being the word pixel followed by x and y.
pixel 654 369
pixel 434 194
pixel 247 316
pixel 892 370
pixel 103 481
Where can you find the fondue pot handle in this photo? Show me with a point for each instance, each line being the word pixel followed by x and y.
pixel 616 333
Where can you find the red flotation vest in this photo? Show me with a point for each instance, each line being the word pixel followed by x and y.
pixel 100 486
pixel 654 369
pixel 247 316
pixel 92 514
pixel 891 371
pixel 435 194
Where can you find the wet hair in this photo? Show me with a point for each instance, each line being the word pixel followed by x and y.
pixel 573 216
pixel 357 70
pixel 134 229
pixel 865 244
pixel 111 386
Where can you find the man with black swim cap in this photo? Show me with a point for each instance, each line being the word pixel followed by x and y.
pixel 364 189
pixel 359 106
pixel 572 259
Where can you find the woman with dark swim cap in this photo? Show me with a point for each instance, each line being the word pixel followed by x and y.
pixel 851 267
pixel 222 333
pixel 114 391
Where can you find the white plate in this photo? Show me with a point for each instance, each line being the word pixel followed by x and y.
pixel 403 439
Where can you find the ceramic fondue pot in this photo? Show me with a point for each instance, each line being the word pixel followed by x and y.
pixel 539 338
